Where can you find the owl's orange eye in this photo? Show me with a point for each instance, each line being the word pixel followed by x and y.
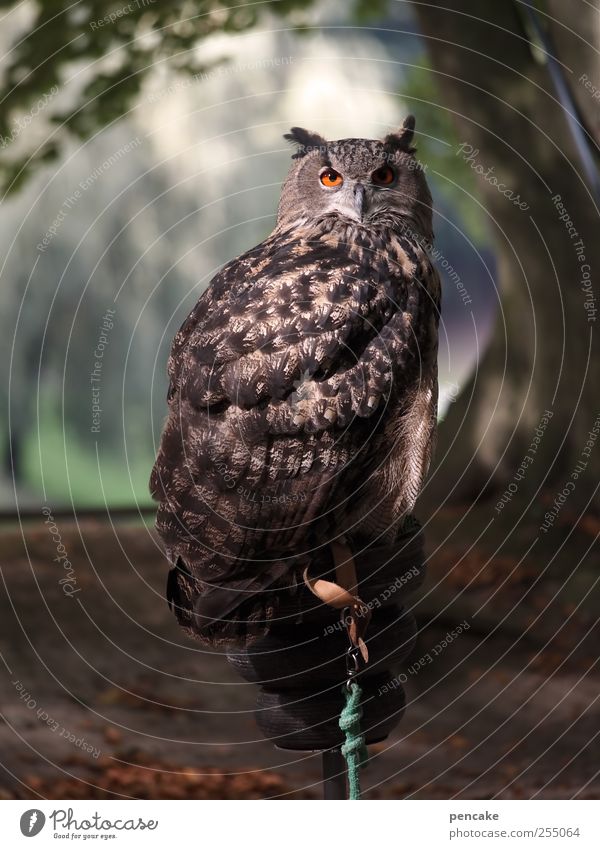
pixel 331 178
pixel 384 176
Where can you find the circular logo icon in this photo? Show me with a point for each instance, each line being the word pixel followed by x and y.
pixel 32 822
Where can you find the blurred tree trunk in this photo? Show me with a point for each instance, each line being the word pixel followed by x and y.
pixel 544 353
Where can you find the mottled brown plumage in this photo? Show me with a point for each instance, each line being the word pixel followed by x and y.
pixel 303 388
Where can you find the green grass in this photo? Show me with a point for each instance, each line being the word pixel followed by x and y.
pixel 69 471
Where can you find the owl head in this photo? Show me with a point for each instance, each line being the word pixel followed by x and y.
pixel 367 181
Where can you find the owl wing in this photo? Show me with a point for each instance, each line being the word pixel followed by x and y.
pixel 309 340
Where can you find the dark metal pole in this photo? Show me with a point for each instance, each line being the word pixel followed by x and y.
pixel 334 775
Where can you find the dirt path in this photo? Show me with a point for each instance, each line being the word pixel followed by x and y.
pixel 102 694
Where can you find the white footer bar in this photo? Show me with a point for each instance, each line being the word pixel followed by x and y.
pixel 420 824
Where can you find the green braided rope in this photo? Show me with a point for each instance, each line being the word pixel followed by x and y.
pixel 354 749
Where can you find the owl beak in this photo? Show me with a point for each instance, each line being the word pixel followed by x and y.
pixel 359 200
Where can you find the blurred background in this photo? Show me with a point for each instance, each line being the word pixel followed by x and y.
pixel 199 185
pixel 140 149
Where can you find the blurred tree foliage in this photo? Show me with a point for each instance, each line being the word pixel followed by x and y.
pixel 111 46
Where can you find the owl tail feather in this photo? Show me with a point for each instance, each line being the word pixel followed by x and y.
pixel 236 611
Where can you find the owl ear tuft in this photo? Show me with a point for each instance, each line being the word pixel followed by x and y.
pixel 305 140
pixel 401 140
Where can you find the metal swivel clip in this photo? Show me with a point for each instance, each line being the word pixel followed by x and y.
pixel 352 654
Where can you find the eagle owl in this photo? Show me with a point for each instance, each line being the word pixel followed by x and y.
pixel 303 387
